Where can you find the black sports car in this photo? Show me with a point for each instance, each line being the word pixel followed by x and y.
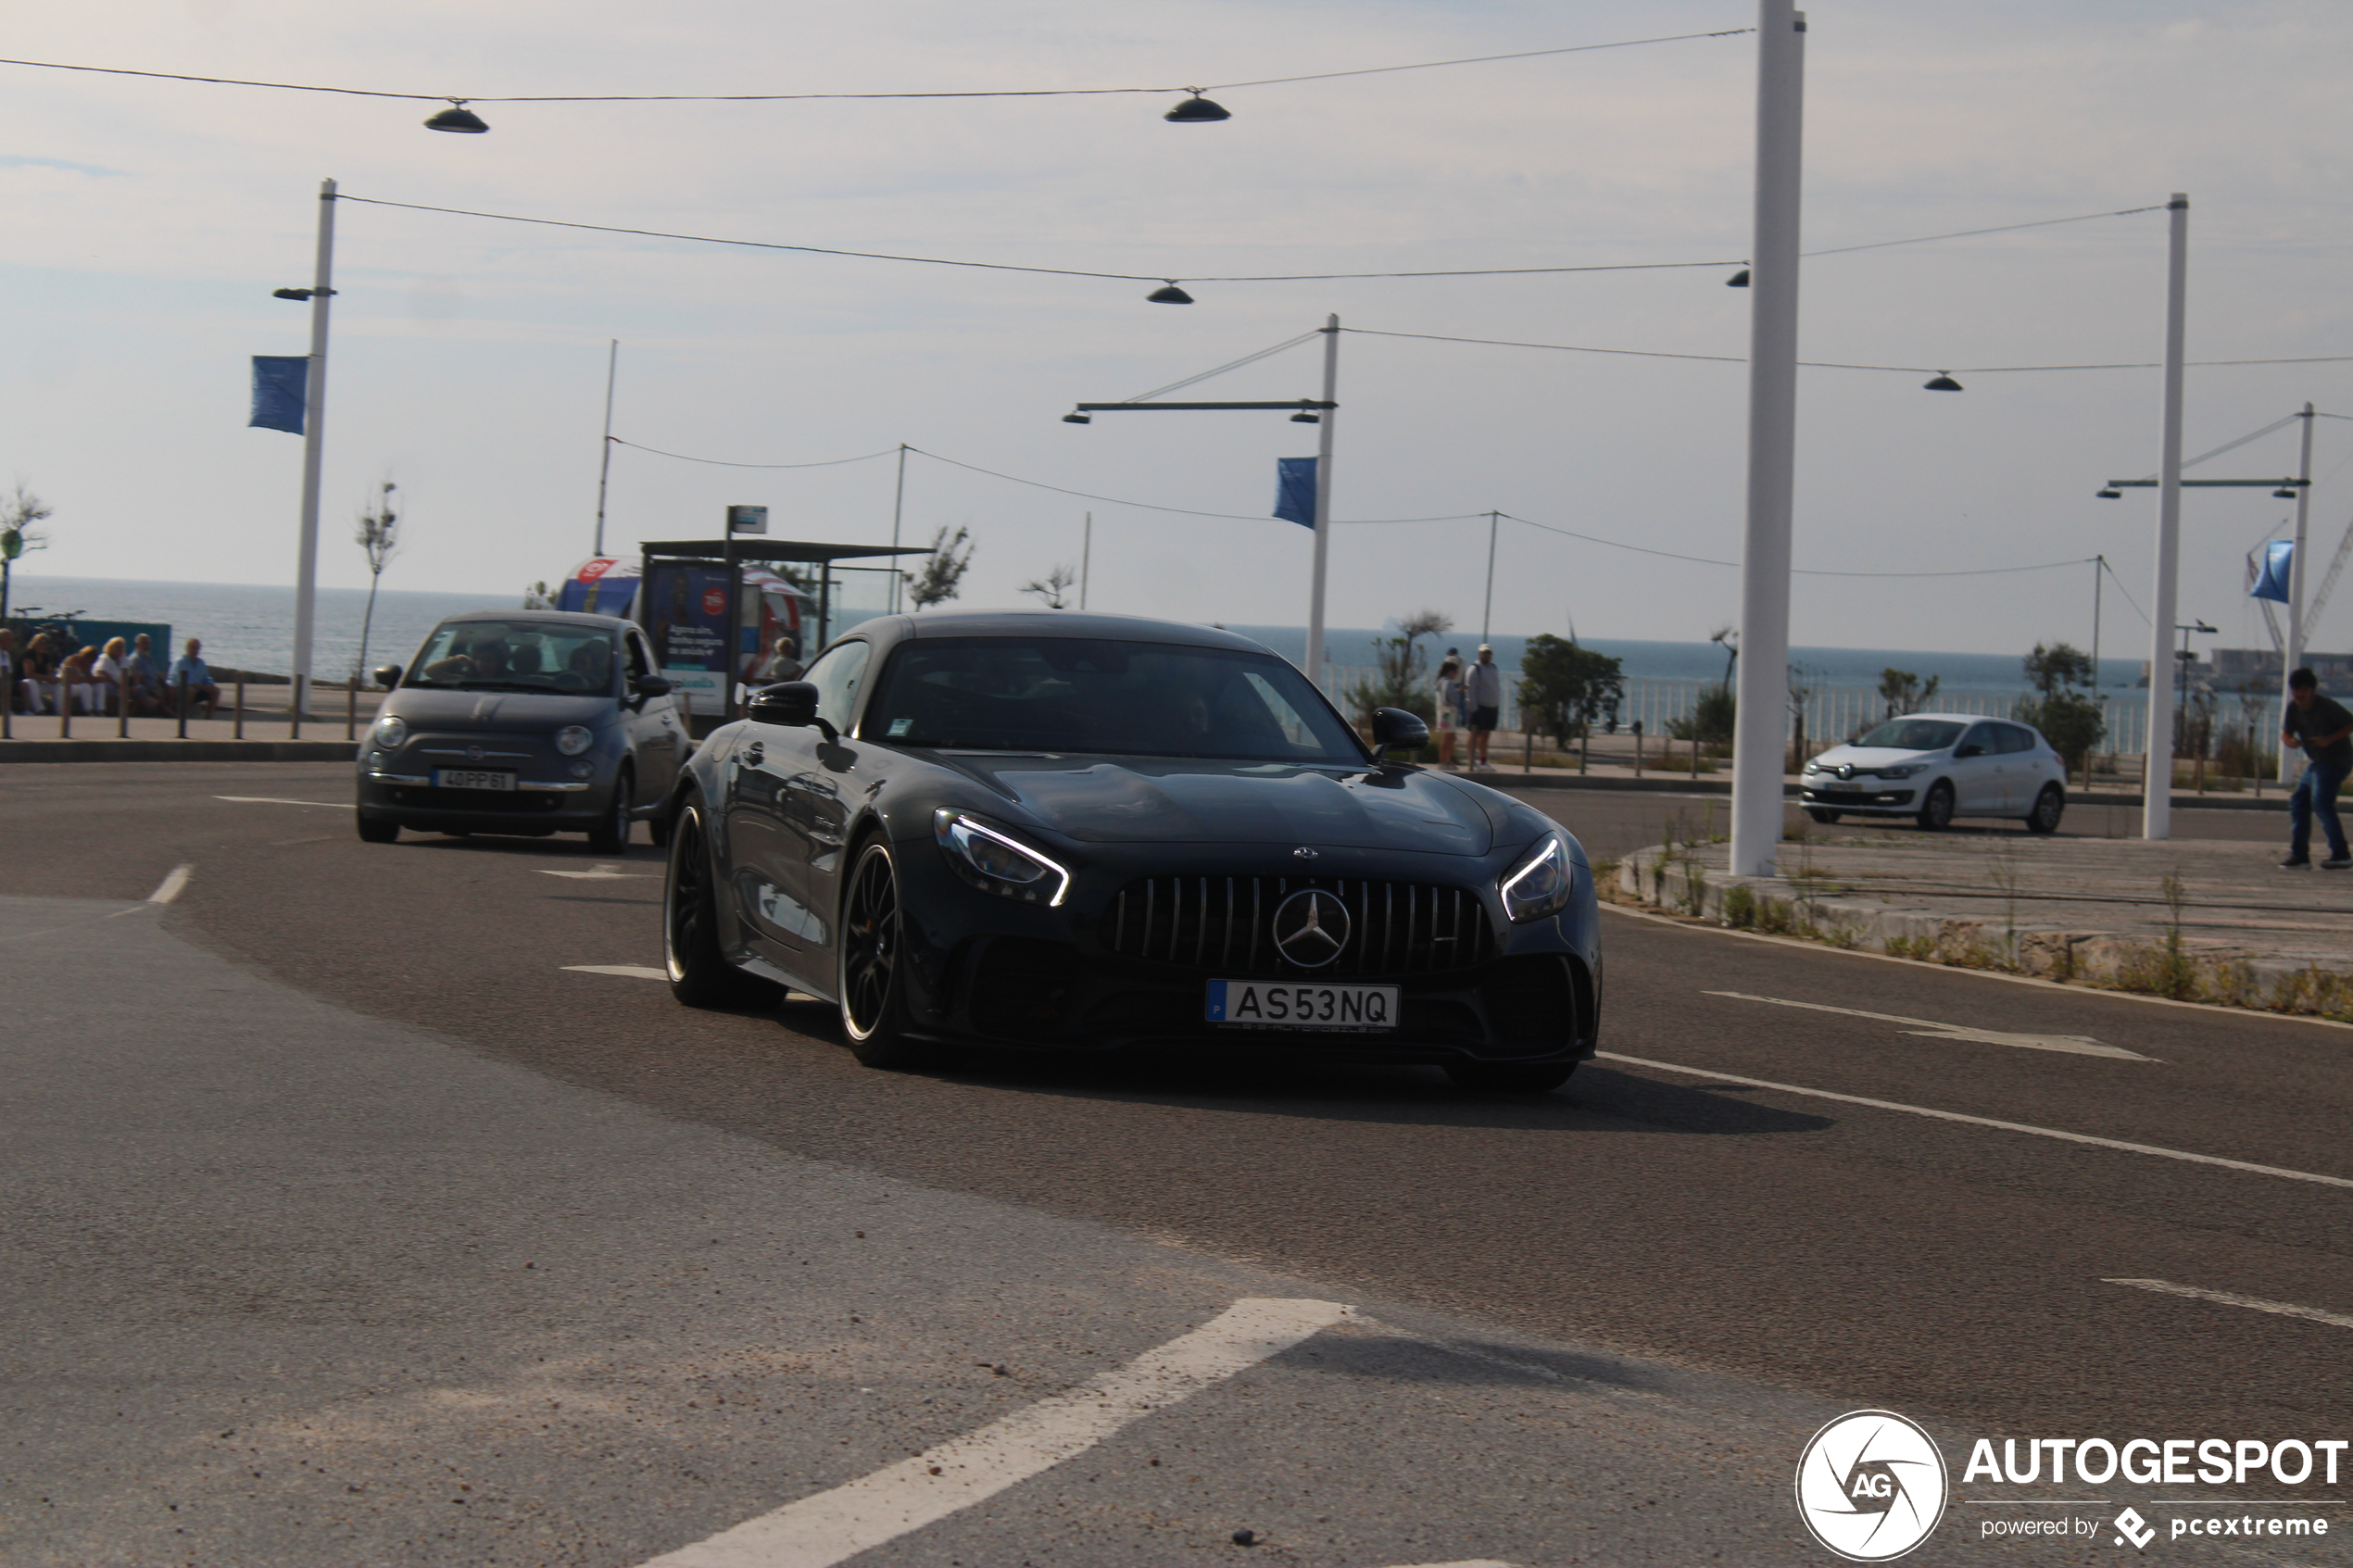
pixel 1086 832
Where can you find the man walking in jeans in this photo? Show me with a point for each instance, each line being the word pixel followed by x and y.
pixel 2326 731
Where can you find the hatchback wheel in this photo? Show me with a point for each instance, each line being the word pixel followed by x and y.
pixel 700 975
pixel 1822 816
pixel 2049 807
pixel 611 836
pixel 1936 811
pixel 873 986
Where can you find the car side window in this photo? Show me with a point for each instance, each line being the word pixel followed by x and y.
pixel 837 675
pixel 2017 739
pixel 1981 736
pixel 640 663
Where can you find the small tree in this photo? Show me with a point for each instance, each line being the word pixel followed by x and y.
pixel 1401 669
pixel 1902 691
pixel 378 534
pixel 1712 717
pixel 18 536
pixel 942 576
pixel 1564 688
pixel 1054 588
pixel 2060 665
pixel 1728 637
pixel 2070 720
pixel 539 596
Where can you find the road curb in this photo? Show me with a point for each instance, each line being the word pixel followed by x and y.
pixel 1719 785
pixel 178 750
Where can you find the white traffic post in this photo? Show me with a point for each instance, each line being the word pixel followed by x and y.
pixel 2293 654
pixel 2157 779
pixel 314 422
pixel 898 508
pixel 1323 503
pixel 1758 736
pixel 604 465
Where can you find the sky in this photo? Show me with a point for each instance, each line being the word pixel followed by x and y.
pixel 143 224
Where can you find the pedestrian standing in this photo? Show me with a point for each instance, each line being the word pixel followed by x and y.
pixel 2322 727
pixel 1449 707
pixel 1486 696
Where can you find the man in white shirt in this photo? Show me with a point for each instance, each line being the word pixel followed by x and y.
pixel 1486 693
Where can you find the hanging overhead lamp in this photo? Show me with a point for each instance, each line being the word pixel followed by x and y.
pixel 1076 418
pixel 459 118
pixel 1738 280
pixel 1941 382
pixel 1169 295
pixel 2284 493
pixel 2110 495
pixel 1195 110
pixel 1306 416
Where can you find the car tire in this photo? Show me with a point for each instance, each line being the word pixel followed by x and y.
pixel 377 829
pixel 699 974
pixel 658 828
pixel 870 978
pixel 1825 817
pixel 1936 808
pixel 611 837
pixel 1510 1077
pixel 2049 807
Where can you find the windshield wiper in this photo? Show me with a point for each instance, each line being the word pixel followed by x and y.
pixel 499 686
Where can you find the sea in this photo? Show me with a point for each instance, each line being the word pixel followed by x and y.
pixel 250 626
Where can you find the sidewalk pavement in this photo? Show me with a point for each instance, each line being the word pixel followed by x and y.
pixel 268 737
pixel 2195 920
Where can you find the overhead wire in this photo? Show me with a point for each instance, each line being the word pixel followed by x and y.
pixel 1841 365
pixel 1998 228
pixel 1229 365
pixel 723 463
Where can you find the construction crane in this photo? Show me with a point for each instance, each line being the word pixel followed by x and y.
pixel 2328 584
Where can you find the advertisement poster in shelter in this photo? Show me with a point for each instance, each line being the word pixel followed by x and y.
pixel 685 610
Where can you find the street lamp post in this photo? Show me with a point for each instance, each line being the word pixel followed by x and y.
pixel 2157 770
pixel 314 436
pixel 2293 652
pixel 2181 685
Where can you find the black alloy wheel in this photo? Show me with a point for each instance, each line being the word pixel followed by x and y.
pixel 377 829
pixel 1936 811
pixel 611 836
pixel 872 987
pixel 1825 817
pixel 1510 1077
pixel 2049 807
pixel 700 975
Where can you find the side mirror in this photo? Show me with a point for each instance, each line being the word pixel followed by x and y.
pixel 653 686
pixel 792 705
pixel 388 675
pixel 1972 749
pixel 1396 729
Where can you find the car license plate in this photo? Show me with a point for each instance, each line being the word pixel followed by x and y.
pixel 472 778
pixel 1265 1004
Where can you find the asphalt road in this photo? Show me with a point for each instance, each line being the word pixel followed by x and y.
pixel 346 1224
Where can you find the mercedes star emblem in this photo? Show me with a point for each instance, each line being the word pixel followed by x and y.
pixel 1310 927
pixel 1303 853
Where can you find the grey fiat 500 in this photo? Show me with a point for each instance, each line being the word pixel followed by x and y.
pixel 526 722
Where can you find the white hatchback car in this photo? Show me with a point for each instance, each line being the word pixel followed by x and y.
pixel 1933 767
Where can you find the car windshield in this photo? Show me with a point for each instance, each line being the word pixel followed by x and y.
pixel 1914 734
pixel 1121 698
pixel 530 656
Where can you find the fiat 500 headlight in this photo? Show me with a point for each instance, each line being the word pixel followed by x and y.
pixel 1541 883
pixel 573 739
pixel 391 732
pixel 997 862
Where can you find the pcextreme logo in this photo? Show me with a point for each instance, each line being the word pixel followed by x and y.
pixel 1870 1485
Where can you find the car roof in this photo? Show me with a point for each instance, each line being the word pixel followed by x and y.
pixel 1067 623
pixel 1964 718
pixel 609 623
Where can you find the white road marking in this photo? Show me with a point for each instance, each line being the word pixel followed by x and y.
pixel 2231 1299
pixel 273 800
pixel 832 1526
pixel 1467 1563
pixel 598 874
pixel 2078 1045
pixel 626 970
pixel 1990 1122
pixel 169 888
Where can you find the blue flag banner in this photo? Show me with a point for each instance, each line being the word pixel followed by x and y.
pixel 1295 489
pixel 2271 578
pixel 281 384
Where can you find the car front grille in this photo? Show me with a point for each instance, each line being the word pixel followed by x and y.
pixel 1226 923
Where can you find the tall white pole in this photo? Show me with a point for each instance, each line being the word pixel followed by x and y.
pixel 2156 781
pixel 1486 615
pixel 314 433
pixel 1085 558
pixel 604 465
pixel 897 507
pixel 1322 502
pixel 1757 744
pixel 2293 655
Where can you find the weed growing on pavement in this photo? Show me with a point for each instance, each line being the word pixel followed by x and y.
pixel 2165 969
pixel 1921 947
pixel 1846 935
pixel 2231 983
pixel 2003 872
pixel 1739 906
pixel 1694 888
pixel 1775 916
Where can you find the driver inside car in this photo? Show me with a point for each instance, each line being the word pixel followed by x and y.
pixel 482 661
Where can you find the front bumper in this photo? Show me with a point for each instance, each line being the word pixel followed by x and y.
pixel 412 799
pixel 1844 800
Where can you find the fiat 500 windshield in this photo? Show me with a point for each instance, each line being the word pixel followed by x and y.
pixel 1116 699
pixel 537 656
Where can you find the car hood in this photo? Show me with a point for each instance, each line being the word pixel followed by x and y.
pixel 1136 800
pixel 495 711
pixel 1872 756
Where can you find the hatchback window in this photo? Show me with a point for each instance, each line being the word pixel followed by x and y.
pixel 2015 738
pixel 515 656
pixel 1913 735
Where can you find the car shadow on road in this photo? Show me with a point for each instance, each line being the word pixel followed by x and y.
pixel 1396 1358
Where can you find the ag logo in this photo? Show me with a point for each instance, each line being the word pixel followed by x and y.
pixel 1870 1485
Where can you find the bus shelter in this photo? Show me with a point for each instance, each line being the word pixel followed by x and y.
pixel 717 608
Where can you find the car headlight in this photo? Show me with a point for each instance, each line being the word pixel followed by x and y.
pixel 391 732
pixel 573 739
pixel 1541 883
pixel 997 863
pixel 1903 770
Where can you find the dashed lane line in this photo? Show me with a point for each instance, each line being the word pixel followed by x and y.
pixel 2233 1299
pixel 599 874
pixel 274 800
pixel 2076 1045
pixel 2057 1132
pixel 626 970
pixel 170 886
pixel 833 1526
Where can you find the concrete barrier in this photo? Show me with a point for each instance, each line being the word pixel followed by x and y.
pixel 178 750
